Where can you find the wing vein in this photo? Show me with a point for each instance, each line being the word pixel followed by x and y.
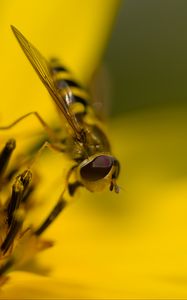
pixel 41 66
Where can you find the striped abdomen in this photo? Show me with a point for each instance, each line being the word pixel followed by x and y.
pixel 73 92
pixel 67 85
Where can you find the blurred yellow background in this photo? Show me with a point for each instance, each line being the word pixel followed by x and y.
pixel 147 59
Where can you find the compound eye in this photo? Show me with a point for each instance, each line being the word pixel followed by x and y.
pixel 97 169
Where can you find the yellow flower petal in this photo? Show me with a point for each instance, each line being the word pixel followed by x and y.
pixel 22 285
pixel 133 245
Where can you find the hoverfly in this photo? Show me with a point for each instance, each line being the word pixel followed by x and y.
pixel 86 143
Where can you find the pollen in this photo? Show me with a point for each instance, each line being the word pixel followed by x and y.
pixel 19 242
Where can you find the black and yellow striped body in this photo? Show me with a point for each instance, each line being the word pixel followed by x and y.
pixel 76 95
pixel 65 83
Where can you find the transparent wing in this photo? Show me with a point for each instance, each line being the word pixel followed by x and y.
pixel 41 67
pixel 100 89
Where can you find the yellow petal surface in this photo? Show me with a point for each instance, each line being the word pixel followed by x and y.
pixel 22 285
pixel 130 245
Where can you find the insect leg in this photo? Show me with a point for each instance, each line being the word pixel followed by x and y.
pixel 53 146
pixel 30 158
pixel 50 132
pixel 52 216
pixel 59 206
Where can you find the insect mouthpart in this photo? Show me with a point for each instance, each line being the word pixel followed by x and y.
pixel 98 168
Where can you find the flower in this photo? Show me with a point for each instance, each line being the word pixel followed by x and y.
pixel 130 245
pixel 133 245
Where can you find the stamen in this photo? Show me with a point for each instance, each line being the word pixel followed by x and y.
pixel 14 229
pixel 6 154
pixel 26 178
pixel 9 263
pixel 18 191
pixel 19 242
pixel 28 193
pixel 14 215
